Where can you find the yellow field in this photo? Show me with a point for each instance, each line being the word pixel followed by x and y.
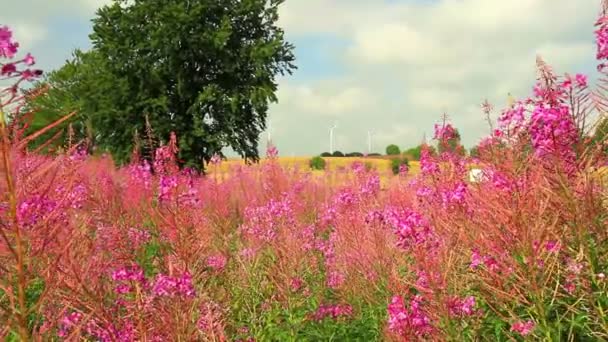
pixel 332 163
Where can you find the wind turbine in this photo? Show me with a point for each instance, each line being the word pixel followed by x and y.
pixel 370 133
pixel 268 131
pixel 331 137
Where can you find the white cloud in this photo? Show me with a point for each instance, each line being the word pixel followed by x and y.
pixel 331 99
pixel 415 59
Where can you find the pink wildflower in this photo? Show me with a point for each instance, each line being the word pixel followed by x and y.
pixel 335 280
pixel 461 307
pixel 333 311
pixel 405 322
pixel 217 262
pixel 8 48
pixel 581 80
pixel 8 69
pixel 523 328
pixel 29 59
pixel 295 284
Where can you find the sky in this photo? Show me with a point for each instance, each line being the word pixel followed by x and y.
pixel 392 67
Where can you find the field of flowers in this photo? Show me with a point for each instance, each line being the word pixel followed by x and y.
pixel 149 252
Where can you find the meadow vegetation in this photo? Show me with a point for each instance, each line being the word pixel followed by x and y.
pixel 153 251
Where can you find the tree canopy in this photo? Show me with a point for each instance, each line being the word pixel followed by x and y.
pixel 204 69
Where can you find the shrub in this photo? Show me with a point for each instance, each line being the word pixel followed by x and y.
pixel 396 164
pixel 338 154
pixel 354 154
pixel 374 154
pixel 393 150
pixel 474 152
pixel 325 154
pixel 317 163
pixel 414 152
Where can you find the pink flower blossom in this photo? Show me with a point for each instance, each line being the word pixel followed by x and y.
pixel 335 279
pixel 29 59
pixel 8 69
pixel 295 284
pixel 405 321
pixel 332 311
pixel 461 307
pixel 523 328
pixel 216 159
pixel 8 48
pixel 581 80
pixel 166 286
pixel 217 262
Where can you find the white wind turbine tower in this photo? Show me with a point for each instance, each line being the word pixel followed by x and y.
pixel 331 137
pixel 370 133
pixel 268 131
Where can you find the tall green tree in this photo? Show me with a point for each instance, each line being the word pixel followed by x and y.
pixel 80 86
pixel 204 69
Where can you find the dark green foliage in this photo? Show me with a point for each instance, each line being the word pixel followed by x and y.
pixel 337 154
pixel 474 152
pixel 392 150
pixel 78 86
pixel 414 152
pixel 317 163
pixel 396 164
pixel 354 154
pixel 325 154
pixel 374 155
pixel 600 134
pixel 204 69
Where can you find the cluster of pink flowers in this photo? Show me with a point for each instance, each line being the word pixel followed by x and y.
pixel 411 228
pixel 8 50
pixel 262 222
pixel 553 132
pixel 428 166
pixel 333 311
pixel 444 133
pixel 102 332
pixel 479 260
pixel 68 322
pixel 523 328
pixel 138 237
pixel 296 284
pixel 574 269
pixel 34 209
pixel 164 157
pixel 578 81
pixel 271 151
pixel 455 195
pixel 167 187
pixel 216 159
pixel 126 277
pixel 217 262
pixel 141 174
pixel 601 39
pixel 166 286
pixel 461 307
pixel 513 119
pixel 335 279
pixel 412 321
